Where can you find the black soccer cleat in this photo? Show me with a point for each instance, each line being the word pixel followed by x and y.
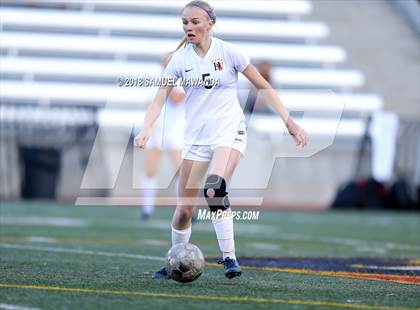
pixel 161 274
pixel 232 268
pixel 144 217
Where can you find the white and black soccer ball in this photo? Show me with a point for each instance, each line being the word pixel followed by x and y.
pixel 184 262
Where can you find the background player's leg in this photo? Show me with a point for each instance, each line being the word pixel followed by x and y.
pixel 176 156
pixel 150 182
pixel 223 163
pixel 190 182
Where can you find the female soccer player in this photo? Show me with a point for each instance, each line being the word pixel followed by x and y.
pixel 215 133
pixel 168 135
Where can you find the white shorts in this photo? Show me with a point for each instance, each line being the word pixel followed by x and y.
pixel 205 152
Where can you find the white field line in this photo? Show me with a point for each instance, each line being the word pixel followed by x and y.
pixel 40 239
pixel 371 249
pixel 407 268
pixel 267 230
pixel 155 242
pixel 44 221
pixel 14 307
pixel 353 221
pixel 240 228
pixel 264 245
pixel 76 251
pixel 347 241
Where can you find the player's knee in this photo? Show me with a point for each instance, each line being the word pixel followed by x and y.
pixel 215 193
pixel 187 211
pixel 183 215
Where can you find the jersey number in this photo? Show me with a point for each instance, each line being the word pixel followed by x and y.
pixel 204 80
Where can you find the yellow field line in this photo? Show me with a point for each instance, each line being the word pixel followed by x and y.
pixel 202 297
pixel 414 262
pixel 352 275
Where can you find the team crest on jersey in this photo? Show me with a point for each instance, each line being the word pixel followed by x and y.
pixel 218 64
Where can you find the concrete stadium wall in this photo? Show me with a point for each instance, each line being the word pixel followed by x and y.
pixel 381 44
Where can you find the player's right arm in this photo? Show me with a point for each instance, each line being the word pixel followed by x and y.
pixel 177 95
pixel 172 71
pixel 151 116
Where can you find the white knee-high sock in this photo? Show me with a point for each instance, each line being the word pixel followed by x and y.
pixel 180 236
pixel 224 233
pixel 149 193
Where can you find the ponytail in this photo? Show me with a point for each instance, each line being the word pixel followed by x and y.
pixel 183 43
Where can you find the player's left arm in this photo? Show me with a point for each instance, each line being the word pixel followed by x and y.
pixel 252 74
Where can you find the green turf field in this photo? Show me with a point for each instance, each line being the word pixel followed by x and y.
pixel 56 256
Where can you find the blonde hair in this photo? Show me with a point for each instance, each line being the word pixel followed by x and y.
pixel 166 59
pixel 206 8
pixel 182 44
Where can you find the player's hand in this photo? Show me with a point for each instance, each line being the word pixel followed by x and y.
pixel 141 139
pixel 298 134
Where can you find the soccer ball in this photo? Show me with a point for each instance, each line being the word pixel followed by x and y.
pixel 184 262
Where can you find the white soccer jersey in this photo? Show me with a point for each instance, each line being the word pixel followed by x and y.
pixel 211 112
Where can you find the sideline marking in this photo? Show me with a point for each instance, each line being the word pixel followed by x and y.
pixel 397 268
pixel 76 251
pixel 44 221
pixel 14 307
pixel 204 297
pixel 403 279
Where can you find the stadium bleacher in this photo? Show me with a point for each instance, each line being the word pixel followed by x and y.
pixel 132 97
pixel 68 39
pixel 264 8
pixel 129 48
pixel 32 68
pixel 72 53
pixel 67 21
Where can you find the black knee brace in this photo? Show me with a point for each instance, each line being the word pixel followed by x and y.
pixel 220 201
